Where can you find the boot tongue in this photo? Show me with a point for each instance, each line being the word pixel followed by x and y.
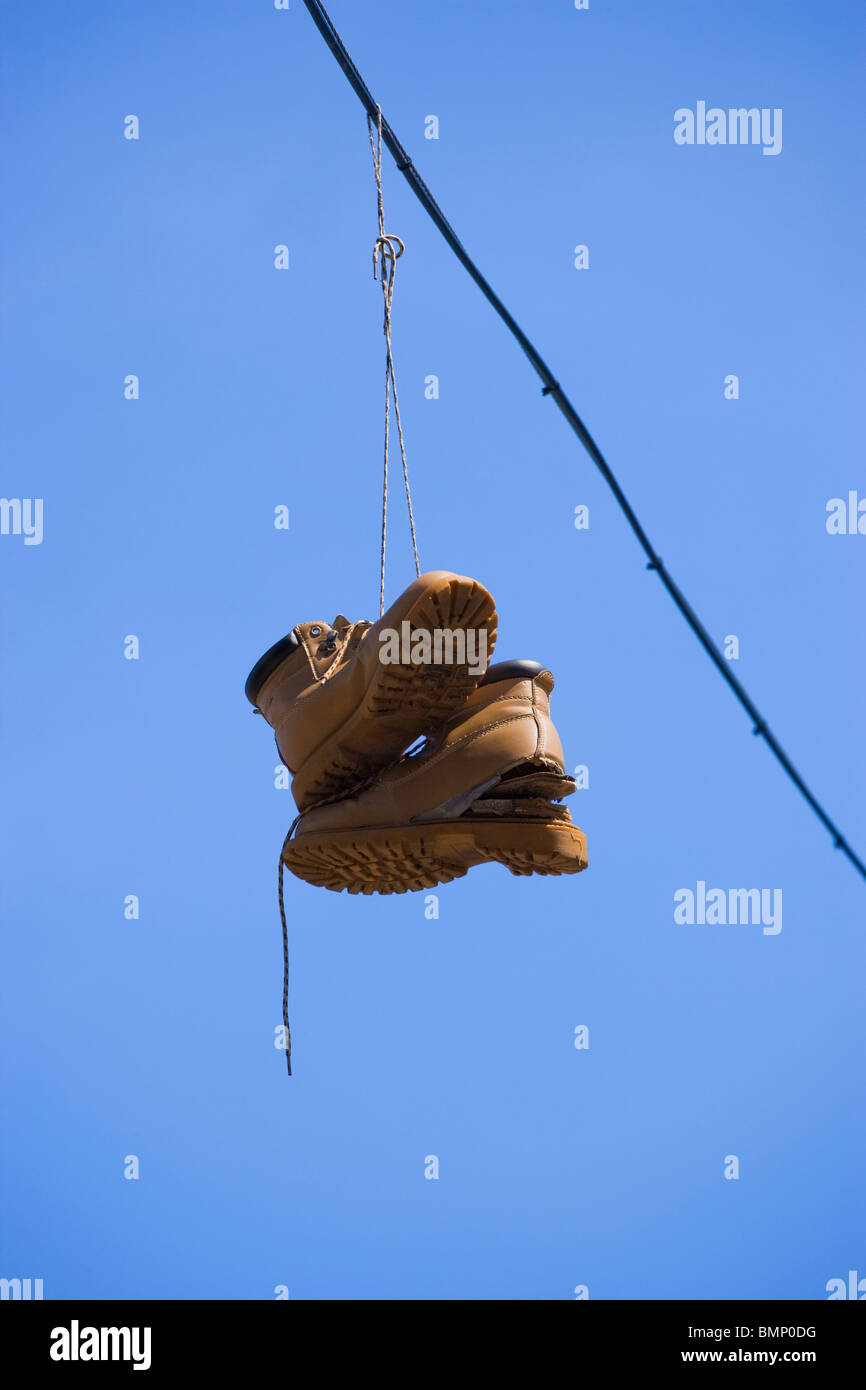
pixel 342 626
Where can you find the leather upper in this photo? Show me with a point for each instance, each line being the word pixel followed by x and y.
pixel 321 683
pixel 504 724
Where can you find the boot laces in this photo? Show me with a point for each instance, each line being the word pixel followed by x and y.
pixel 340 642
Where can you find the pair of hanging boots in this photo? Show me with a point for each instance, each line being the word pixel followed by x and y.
pixel 347 700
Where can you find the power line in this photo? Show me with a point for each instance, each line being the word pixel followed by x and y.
pixel 551 387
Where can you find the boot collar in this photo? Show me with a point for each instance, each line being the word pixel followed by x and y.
pixel 267 664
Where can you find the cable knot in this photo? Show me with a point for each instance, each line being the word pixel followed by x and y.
pixel 386 252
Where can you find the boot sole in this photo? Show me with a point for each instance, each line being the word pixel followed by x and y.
pixel 405 859
pixel 402 702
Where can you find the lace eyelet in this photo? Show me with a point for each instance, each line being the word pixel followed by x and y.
pixel 315 631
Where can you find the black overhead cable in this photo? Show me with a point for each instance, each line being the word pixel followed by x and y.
pixel 552 388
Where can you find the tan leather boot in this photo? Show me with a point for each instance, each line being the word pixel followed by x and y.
pixel 481 789
pixel 346 699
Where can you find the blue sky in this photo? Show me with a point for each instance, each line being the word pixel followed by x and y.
pixel 155 257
